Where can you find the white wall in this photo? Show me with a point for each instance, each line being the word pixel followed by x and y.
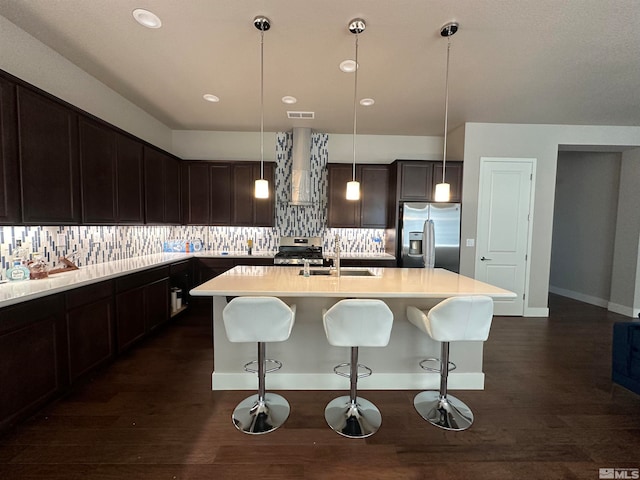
pixel 625 285
pixel 205 145
pixel 529 141
pixel 584 225
pixel 30 60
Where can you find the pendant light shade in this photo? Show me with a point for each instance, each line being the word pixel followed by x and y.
pixel 353 190
pixel 356 26
pixel 442 193
pixel 261 186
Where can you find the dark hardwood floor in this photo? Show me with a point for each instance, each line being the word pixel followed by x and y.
pixel 548 411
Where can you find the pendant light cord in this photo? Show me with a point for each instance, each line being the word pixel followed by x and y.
pixel 355 103
pixel 446 111
pixel 262 103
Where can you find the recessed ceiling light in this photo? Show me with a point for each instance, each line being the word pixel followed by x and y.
pixel 348 66
pixel 289 100
pixel 146 18
pixel 210 98
pixel 367 102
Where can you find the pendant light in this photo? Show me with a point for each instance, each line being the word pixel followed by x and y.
pixel 442 193
pixel 356 26
pixel 262 186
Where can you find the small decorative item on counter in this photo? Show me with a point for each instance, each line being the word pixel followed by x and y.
pixel 38 267
pixel 196 245
pixel 249 246
pixel 18 271
pixel 67 265
pixel 185 246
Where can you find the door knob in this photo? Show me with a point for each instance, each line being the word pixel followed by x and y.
pixel 483 259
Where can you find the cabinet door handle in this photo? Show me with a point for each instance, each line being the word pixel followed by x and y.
pixel 484 259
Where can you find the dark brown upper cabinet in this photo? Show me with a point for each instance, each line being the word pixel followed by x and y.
pixel 264 208
pixel 162 187
pixel 418 179
pixel 98 171
pixel 221 193
pixel 196 191
pixel 368 212
pixel 343 213
pixel 373 195
pixel 111 171
pixel 248 210
pixel 49 164
pixel 130 161
pixel 9 176
pixel 453 176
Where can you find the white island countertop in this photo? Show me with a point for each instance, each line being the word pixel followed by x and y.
pixel 386 283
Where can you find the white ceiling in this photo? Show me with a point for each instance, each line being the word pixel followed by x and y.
pixel 539 61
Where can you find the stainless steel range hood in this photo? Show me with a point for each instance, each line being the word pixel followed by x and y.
pixel 301 167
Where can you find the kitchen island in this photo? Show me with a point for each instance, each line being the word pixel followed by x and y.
pixel 308 359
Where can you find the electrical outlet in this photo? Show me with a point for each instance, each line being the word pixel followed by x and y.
pixel 471 242
pixel 62 241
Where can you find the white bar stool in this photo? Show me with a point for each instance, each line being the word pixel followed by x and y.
pixel 456 319
pixel 356 323
pixel 261 320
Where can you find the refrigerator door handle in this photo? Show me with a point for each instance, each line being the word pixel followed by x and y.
pixel 428 244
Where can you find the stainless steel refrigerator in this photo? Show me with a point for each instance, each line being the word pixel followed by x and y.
pixel 430 231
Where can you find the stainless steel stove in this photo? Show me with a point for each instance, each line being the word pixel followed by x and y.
pixel 294 250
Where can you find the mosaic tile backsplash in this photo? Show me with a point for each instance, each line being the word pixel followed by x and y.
pixel 89 245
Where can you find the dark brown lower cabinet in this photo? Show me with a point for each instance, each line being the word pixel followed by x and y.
pixel 142 303
pixel 156 304
pixel 130 317
pixel 33 364
pixel 90 322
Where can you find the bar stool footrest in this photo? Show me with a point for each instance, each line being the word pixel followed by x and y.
pixel 278 366
pixel 424 366
pixel 366 373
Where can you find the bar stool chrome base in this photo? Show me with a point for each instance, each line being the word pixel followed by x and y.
pixel 255 416
pixel 354 420
pixel 446 412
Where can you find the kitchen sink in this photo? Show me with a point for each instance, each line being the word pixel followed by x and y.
pixel 343 273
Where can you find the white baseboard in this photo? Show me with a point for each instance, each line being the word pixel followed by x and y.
pixel 598 302
pixel 623 310
pixel 536 312
pixel 581 297
pixel 331 381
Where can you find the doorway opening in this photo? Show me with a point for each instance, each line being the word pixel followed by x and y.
pixel 584 225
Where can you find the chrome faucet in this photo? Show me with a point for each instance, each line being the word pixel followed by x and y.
pixel 336 256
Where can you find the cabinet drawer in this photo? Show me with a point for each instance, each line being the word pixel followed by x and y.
pixel 139 279
pixel 88 294
pixel 180 268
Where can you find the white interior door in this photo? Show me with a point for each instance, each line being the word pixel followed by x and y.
pixel 504 211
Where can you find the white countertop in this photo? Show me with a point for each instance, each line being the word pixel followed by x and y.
pixel 16 292
pixel 387 283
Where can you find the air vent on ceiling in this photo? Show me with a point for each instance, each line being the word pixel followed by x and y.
pixel 302 115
